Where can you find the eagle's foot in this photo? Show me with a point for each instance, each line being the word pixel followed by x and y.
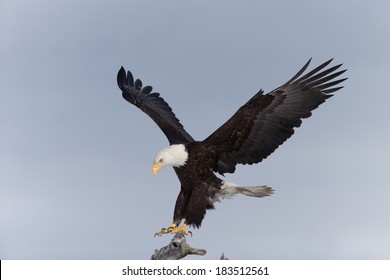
pixel 165 230
pixel 174 229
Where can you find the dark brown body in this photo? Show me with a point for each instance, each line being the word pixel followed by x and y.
pixel 197 193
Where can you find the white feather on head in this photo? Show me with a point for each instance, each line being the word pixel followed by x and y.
pixel 174 155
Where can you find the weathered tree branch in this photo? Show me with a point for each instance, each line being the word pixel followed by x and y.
pixel 177 249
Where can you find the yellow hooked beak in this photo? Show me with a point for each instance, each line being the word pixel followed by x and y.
pixel 156 167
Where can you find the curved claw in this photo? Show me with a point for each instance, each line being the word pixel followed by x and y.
pixel 161 232
pixel 190 232
pixel 166 230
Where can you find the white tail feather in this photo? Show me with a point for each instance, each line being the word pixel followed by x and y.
pixel 228 190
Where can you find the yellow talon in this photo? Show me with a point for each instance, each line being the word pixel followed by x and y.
pixel 165 230
pixel 174 229
pixel 182 229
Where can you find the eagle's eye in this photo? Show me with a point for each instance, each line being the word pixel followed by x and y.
pixel 161 160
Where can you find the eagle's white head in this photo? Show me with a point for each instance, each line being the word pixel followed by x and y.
pixel 174 155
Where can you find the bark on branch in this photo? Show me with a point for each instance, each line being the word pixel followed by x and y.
pixel 177 249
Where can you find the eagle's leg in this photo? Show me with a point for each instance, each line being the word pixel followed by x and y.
pixel 174 229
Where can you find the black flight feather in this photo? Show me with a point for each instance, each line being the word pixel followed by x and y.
pixel 260 126
pixel 153 105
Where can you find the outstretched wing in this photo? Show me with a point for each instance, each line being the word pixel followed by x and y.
pixel 153 105
pixel 266 121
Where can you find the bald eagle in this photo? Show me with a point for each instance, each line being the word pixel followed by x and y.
pixel 248 137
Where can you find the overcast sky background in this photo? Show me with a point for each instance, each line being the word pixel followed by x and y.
pixel 75 158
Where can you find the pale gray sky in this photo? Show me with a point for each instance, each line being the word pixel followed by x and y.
pixel 75 158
